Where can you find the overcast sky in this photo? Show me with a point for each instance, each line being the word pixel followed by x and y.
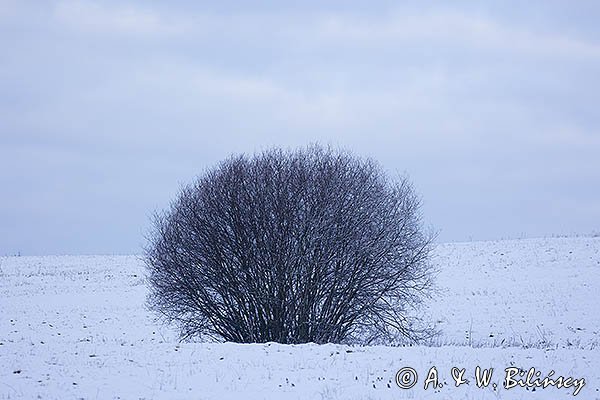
pixel 107 107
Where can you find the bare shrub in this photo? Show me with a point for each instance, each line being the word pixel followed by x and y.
pixel 312 245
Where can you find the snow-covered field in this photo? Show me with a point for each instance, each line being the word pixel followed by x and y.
pixel 76 327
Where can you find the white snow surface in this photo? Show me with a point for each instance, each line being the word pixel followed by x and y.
pixel 75 327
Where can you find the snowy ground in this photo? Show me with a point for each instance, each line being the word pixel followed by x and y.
pixel 76 327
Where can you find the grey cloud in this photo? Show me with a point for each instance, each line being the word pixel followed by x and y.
pixel 107 107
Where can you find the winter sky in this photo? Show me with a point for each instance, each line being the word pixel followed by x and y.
pixel 107 107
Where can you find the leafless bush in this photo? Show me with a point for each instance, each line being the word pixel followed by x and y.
pixel 299 246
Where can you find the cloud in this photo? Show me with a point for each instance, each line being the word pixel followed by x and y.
pixel 432 27
pixel 8 8
pixel 95 17
pixel 106 100
pixel 454 29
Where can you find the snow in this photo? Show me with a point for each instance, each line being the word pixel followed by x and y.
pixel 76 327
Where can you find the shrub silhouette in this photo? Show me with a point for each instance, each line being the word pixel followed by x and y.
pixel 312 245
